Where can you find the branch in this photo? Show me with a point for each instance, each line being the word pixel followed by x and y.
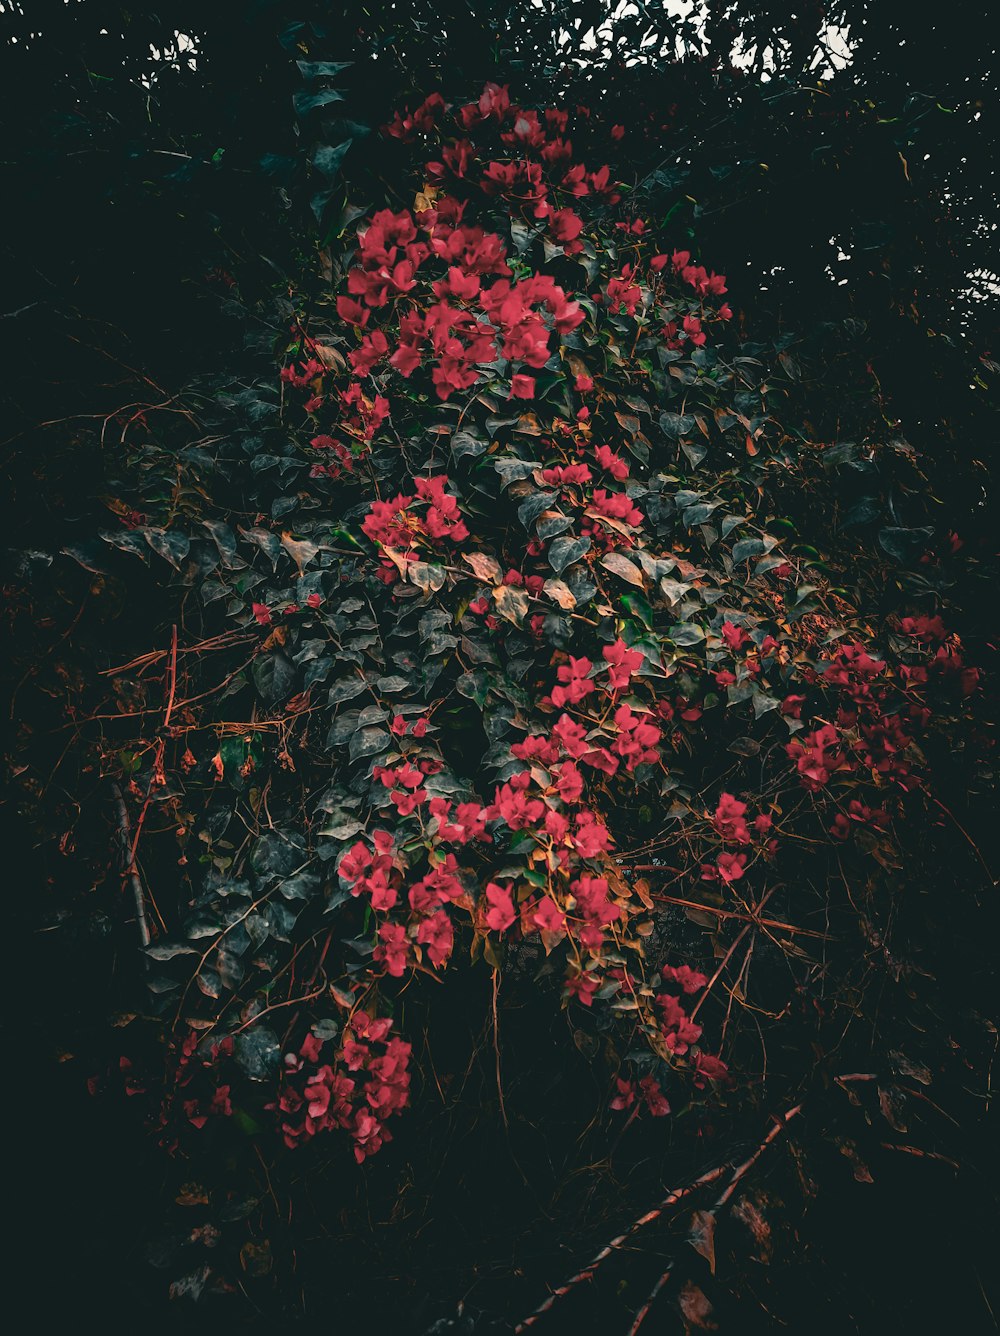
pixel 129 869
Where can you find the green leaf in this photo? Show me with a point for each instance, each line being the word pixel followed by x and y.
pixel 327 159
pixel 687 633
pixel 749 547
pixel 564 551
pixel 369 742
pixel 322 69
pixel 274 676
pixel 676 425
pixel 306 102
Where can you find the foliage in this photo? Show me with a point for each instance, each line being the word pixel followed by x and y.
pixel 540 608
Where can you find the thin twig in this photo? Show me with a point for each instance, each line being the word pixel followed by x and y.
pixel 779 1126
pixel 129 868
pixel 640 1317
pixel 744 918
pixel 496 1047
pixel 609 1248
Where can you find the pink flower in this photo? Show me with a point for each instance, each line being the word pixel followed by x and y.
pixel 549 917
pixel 731 866
pixel 501 913
pixel 734 636
pixel 582 987
pixel 437 934
pixel 730 820
pixel 622 663
pixel 393 949
pixel 625 1094
pixel 656 1101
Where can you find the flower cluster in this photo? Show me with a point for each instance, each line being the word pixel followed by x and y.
pixel 358 1088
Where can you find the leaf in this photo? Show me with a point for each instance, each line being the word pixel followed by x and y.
pixel 699 513
pixel 511 603
pixel 749 547
pixel 322 69
pixel 551 522
pixel 368 742
pixel 474 686
pixel 346 689
pixel 483 567
pixel 695 1309
pixel 327 159
pixel 301 552
pixel 762 703
pixel 687 633
pixel 167 950
pixel 514 470
pixel 622 567
pixel 560 593
pixel 565 551
pixel 638 606
pixel 904 544
pixel 675 425
pixel 190 1286
pixel 534 506
pixel 305 102
pixel 172 546
pixel 266 541
pixel 426 576
pixel 274 676
pixel 464 443
pixel 88 554
pixel 257 1052
pixel 674 590
pixel 702 1236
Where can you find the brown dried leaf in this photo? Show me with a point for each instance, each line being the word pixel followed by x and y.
pixel 622 567
pixel 560 592
pixel 511 603
pixel 695 1309
pixel 702 1236
pixel 483 567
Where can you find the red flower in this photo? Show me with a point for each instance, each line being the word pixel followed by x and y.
pixel 730 819
pixel 575 684
pixel 569 782
pixel 611 462
pixel 622 663
pixel 656 1101
pixel 734 636
pixel 690 980
pixel 731 866
pixel 501 913
pixel 583 987
pixel 549 917
pixel 393 949
pixel 437 934
pixel 625 1094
